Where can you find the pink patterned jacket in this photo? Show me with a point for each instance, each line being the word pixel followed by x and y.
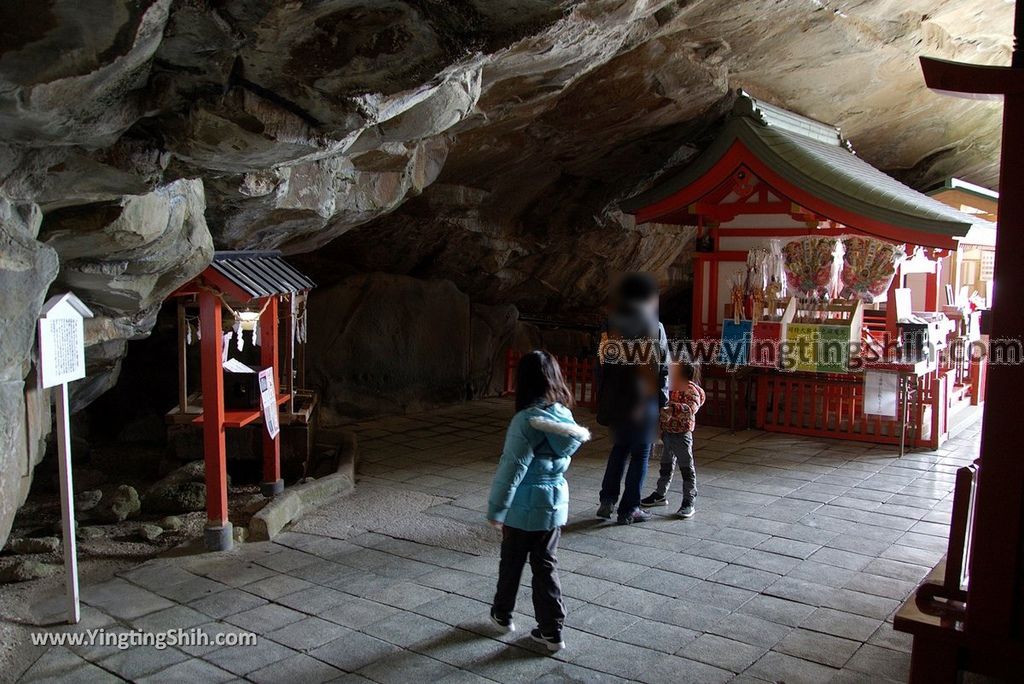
pixel 680 413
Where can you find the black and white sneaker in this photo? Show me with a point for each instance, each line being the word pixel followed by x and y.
pixel 505 624
pixel 686 510
pixel 553 642
pixel 637 516
pixel 653 500
pixel 605 510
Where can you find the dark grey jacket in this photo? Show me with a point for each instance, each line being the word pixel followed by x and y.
pixel 640 369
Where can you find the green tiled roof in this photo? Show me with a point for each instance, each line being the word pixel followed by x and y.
pixel 815 157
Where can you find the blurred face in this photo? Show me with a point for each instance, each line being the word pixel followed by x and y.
pixel 678 377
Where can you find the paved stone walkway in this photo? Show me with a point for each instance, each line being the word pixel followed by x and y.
pixel 790 571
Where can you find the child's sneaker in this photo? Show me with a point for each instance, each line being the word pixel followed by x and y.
pixel 553 642
pixel 505 624
pixel 637 516
pixel 685 510
pixel 605 510
pixel 653 500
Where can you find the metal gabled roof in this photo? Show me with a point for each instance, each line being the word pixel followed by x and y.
pixel 815 157
pixel 261 274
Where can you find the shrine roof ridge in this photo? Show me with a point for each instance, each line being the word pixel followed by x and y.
pixel 260 273
pixel 815 158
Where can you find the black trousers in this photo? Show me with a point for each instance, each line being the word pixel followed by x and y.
pixel 540 548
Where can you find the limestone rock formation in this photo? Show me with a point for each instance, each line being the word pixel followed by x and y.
pixel 387 343
pixel 123 258
pixel 27 267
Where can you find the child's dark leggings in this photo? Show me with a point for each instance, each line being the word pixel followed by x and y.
pixel 540 548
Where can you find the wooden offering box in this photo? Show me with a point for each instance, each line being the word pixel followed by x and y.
pixel 735 347
pixel 769 332
pixel 820 339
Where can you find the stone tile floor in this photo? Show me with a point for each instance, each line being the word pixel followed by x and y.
pixel 800 552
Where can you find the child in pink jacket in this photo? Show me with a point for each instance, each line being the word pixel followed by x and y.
pixel 677 422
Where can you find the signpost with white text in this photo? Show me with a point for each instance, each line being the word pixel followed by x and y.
pixel 62 360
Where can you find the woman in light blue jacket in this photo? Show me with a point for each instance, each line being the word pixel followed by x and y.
pixel 529 498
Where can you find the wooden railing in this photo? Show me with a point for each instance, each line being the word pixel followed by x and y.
pixel 580 376
pixel 825 405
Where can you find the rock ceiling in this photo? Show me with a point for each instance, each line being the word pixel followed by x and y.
pixel 484 141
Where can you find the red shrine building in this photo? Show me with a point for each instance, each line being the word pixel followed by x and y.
pixel 856 250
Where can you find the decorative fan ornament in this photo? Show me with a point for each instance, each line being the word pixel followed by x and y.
pixel 869 266
pixel 810 265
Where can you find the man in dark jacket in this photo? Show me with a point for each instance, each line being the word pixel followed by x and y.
pixel 632 389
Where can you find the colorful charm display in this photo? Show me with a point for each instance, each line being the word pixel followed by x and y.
pixel 868 267
pixel 737 295
pixel 810 265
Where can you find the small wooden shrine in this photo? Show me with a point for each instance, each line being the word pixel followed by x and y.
pixel 804 255
pixel 255 288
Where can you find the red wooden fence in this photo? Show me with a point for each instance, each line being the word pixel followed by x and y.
pixel 580 376
pixel 832 406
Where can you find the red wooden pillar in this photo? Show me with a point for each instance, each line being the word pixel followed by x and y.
pixel 892 326
pixel 994 595
pixel 697 315
pixel 995 587
pixel 932 287
pixel 218 533
pixel 272 482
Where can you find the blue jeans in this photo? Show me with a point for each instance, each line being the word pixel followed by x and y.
pixel 632 445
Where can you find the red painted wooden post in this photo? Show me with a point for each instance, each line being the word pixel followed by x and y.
pixel 218 533
pixel 932 288
pixel 272 483
pixel 697 316
pixel 891 322
pixel 994 594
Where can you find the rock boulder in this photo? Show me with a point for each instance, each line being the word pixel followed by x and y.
pixel 122 504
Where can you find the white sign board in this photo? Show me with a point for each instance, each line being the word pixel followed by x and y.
pixel 61 360
pixel 62 340
pixel 268 397
pixel 881 393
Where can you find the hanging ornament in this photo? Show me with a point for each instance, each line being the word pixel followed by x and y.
pixel 256 334
pixel 188 333
pixel 225 347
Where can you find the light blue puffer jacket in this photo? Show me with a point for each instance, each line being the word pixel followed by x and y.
pixel 529 491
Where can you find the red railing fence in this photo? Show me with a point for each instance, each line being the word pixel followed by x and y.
pixel 579 374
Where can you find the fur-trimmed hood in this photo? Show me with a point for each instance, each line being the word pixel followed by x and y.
pixel 563 434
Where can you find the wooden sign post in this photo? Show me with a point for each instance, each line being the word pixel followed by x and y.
pixel 62 360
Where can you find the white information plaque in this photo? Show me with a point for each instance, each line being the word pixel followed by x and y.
pixel 62 340
pixel 268 397
pixel 881 393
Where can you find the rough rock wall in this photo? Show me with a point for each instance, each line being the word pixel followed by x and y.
pixel 27 267
pixel 383 343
